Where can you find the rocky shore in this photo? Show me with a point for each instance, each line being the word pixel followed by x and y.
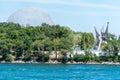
pixel 56 62
pixel 107 63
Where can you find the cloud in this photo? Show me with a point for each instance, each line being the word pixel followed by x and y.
pixel 93 13
pixel 93 8
pixel 93 5
pixel 38 1
pixel 71 3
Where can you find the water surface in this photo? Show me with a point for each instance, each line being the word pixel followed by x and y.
pixel 58 72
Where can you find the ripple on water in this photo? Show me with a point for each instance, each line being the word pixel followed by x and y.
pixel 58 72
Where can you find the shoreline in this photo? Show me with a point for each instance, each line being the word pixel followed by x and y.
pixel 55 62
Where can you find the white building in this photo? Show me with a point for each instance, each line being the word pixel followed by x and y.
pixel 77 50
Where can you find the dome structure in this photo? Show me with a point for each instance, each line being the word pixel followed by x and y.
pixel 30 16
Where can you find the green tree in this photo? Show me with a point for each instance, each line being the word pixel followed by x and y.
pixel 111 48
pixel 87 41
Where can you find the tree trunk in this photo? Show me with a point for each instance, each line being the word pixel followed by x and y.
pixel 38 50
pixel 55 53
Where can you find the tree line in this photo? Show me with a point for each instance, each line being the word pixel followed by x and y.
pixel 26 43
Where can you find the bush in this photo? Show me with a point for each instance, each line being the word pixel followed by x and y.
pixel 42 57
pixel 116 59
pixel 79 57
pixel 8 58
pixel 98 59
pixel 64 59
pixel 27 57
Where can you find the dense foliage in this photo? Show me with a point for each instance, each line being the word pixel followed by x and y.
pixel 37 43
pixel 25 43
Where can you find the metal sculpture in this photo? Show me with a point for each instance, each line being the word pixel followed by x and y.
pixel 102 37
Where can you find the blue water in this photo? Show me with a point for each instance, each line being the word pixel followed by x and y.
pixel 58 72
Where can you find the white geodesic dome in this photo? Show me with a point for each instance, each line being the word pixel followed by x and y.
pixel 30 16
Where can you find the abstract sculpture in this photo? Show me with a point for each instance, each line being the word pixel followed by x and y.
pixel 102 37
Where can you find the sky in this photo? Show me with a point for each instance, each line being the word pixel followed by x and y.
pixel 79 15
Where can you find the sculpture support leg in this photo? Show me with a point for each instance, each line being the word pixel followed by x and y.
pixel 99 45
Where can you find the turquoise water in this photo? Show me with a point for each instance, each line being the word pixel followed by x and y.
pixel 58 72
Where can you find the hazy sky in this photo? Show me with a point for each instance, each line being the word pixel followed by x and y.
pixel 79 15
